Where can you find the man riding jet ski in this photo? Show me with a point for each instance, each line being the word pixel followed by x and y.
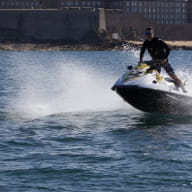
pixel 159 52
pixel 146 89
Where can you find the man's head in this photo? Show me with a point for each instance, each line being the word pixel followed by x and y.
pixel 149 33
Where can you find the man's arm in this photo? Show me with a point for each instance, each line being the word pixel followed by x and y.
pixel 166 47
pixel 143 48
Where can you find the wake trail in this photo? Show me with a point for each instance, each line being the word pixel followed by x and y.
pixel 63 87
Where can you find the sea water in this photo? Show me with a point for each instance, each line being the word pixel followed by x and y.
pixel 63 129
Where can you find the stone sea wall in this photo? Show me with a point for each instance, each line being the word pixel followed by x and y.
pixel 48 25
pixel 81 26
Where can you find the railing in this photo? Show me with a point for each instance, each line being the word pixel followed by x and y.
pixel 38 4
pixel 16 4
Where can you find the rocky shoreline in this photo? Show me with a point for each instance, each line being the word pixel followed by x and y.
pixel 115 46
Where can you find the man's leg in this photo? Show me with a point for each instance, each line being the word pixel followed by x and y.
pixel 178 81
pixel 154 65
pixel 172 74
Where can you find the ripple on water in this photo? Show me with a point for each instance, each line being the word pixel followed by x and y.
pixel 59 133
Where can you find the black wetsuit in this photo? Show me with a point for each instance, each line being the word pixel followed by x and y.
pixel 158 50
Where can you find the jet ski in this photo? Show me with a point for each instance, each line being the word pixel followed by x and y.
pixel 147 90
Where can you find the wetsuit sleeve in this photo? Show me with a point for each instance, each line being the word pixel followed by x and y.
pixel 143 48
pixel 166 47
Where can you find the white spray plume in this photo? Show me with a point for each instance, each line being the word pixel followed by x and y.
pixel 64 87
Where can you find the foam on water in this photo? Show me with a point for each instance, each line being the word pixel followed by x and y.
pixel 62 87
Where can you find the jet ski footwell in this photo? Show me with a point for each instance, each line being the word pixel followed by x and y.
pixel 150 100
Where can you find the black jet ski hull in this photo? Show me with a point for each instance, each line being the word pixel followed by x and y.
pixel 151 100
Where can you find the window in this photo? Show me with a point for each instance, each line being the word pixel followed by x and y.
pixel 83 3
pixel 69 3
pixel 93 3
pixel 88 4
pixel 12 4
pixel 3 4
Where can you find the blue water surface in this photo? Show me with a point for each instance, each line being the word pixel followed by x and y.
pixel 63 129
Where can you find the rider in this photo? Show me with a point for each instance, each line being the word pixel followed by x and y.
pixel 159 51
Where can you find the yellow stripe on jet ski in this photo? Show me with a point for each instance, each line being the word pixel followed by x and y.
pixel 142 66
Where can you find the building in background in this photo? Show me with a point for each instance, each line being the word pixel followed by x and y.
pixel 160 11
pixel 189 11
pixel 114 19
